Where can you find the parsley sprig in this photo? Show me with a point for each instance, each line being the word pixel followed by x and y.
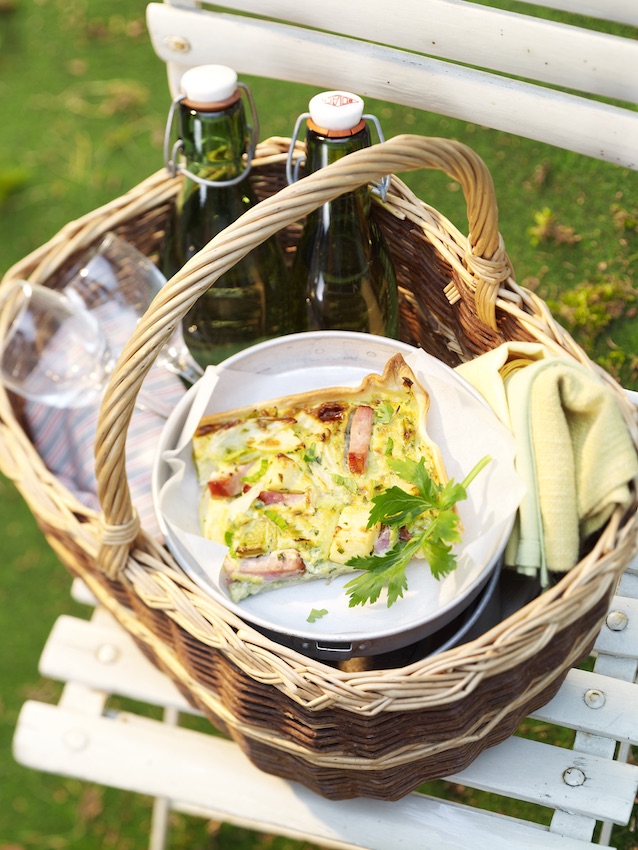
pixel 439 529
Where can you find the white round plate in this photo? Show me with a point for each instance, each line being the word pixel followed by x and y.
pixel 460 422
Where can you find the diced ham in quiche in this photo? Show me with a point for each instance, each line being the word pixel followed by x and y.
pixel 276 497
pixel 383 540
pixel 229 484
pixel 285 563
pixel 360 434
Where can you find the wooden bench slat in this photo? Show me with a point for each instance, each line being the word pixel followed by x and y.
pixel 623 642
pixel 533 771
pixel 103 656
pixel 611 709
pixel 621 11
pixel 490 38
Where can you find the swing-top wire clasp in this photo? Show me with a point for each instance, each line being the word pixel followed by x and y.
pixel 171 154
pixel 293 167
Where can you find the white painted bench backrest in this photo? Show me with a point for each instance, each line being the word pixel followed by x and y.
pixel 510 71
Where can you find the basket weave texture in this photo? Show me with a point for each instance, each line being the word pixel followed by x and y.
pixel 378 733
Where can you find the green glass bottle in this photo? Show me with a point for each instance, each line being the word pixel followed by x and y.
pixel 342 270
pixel 248 303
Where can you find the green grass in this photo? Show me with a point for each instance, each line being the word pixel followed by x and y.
pixel 84 101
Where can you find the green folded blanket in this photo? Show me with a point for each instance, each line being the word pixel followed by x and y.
pixel 573 451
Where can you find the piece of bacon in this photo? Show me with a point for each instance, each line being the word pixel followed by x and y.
pixel 331 411
pixel 277 497
pixel 283 563
pixel 210 428
pixel 360 434
pixel 230 484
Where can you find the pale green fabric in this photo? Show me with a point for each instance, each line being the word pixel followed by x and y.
pixel 573 450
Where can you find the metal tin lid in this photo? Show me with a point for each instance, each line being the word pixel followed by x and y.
pixel 209 83
pixel 336 110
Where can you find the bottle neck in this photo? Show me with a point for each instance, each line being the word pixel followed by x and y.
pixel 323 150
pixel 215 141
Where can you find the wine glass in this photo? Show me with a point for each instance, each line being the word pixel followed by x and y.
pixel 117 283
pixel 53 350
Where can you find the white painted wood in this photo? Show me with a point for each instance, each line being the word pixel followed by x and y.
pixel 81 593
pixel 623 642
pixel 160 824
pixel 608 790
pixel 624 667
pixel 485 37
pixel 162 806
pixel 595 745
pixel 268 49
pixel 596 704
pixel 142 755
pixel 621 11
pixel 82 698
pixel 628 584
pixel 105 659
pixel 575 826
pixel 621 668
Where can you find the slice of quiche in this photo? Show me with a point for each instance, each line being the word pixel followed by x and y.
pixel 287 484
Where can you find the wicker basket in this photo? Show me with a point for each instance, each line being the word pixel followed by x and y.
pixel 376 733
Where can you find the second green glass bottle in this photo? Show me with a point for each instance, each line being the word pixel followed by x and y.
pixel 342 272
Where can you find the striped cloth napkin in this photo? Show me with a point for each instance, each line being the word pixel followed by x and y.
pixel 65 437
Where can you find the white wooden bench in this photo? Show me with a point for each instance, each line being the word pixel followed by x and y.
pixel 207 776
pixel 450 57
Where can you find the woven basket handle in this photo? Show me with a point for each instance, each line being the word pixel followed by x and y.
pixel 402 153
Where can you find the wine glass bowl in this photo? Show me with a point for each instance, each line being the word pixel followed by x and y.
pixel 117 283
pixel 51 351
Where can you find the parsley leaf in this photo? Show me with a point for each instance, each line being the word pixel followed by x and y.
pixel 395 507
pixel 387 570
pixel 438 528
pixel 316 614
pixel 416 473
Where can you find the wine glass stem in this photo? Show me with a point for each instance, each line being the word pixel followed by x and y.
pixel 191 372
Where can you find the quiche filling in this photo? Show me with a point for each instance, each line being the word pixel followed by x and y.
pixel 287 485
